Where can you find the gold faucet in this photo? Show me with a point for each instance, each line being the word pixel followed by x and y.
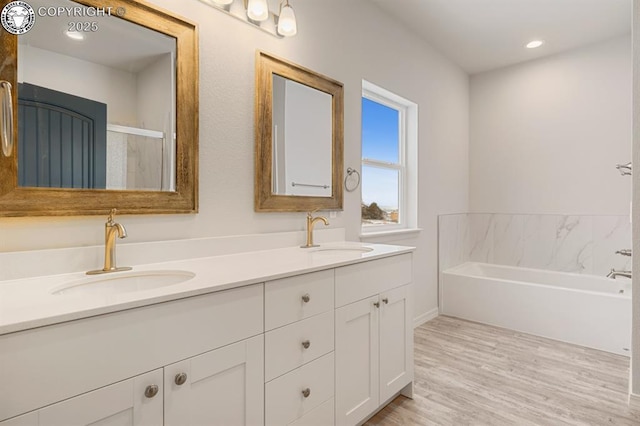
pixel 310 222
pixel 111 228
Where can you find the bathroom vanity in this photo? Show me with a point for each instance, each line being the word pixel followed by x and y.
pixel 278 337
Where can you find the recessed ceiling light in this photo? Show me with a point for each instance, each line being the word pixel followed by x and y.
pixel 75 35
pixel 535 43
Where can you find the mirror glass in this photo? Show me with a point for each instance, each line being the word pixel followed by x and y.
pixel 96 103
pixel 302 139
pixel 299 138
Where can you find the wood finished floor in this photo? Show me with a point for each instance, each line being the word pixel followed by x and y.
pixel 473 374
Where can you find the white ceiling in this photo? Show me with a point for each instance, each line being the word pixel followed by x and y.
pixel 480 35
pixel 117 43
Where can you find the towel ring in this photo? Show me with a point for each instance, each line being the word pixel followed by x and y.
pixel 6 118
pixel 351 171
pixel 625 169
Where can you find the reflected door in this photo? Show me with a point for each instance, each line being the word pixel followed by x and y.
pixel 62 139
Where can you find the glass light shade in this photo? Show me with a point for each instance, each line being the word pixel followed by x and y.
pixel 287 25
pixel 534 44
pixel 258 10
pixel 75 35
pixel 223 2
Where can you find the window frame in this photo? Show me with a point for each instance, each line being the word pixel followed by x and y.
pixel 407 159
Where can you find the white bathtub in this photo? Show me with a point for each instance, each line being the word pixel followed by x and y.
pixel 585 310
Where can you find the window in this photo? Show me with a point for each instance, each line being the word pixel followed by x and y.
pixel 389 160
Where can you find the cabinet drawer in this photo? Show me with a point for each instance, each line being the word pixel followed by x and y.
pixel 285 401
pixel 356 282
pixel 284 303
pixel 321 416
pixel 284 349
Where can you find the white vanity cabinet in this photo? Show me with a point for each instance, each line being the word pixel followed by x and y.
pixel 96 365
pixel 324 347
pixel 374 336
pixel 219 387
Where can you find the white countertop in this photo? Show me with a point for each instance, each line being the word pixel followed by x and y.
pixel 29 303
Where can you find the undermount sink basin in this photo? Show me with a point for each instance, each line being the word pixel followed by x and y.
pixel 127 282
pixel 342 250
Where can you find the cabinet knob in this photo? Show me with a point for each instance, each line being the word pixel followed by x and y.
pixel 306 298
pixel 385 300
pixel 151 391
pixel 306 392
pixel 376 304
pixel 181 379
pixel 306 344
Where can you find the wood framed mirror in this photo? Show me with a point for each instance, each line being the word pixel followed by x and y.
pixel 108 119
pixel 299 138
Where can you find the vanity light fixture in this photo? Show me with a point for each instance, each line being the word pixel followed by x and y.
pixel 258 10
pixel 74 35
pixel 277 21
pixel 287 25
pixel 534 44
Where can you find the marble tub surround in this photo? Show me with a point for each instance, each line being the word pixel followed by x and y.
pixel 565 243
pixel 453 240
pixel 29 302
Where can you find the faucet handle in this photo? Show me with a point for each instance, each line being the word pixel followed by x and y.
pixel 624 252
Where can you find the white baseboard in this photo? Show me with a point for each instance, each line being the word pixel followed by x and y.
pixel 427 316
pixel 634 401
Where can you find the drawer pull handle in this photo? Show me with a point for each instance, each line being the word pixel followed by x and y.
pixel 151 391
pixel 181 379
pixel 376 304
pixel 306 344
pixel 385 300
pixel 306 298
pixel 306 392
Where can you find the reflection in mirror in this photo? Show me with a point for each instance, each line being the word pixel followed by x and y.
pixel 96 109
pixel 141 80
pixel 302 139
pixel 299 138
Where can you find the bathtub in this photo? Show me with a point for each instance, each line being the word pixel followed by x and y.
pixel 581 309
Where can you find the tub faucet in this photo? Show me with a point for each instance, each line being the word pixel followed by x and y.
pixel 624 252
pixel 613 274
pixel 311 221
pixel 111 228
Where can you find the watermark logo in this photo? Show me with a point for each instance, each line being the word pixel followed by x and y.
pixel 17 17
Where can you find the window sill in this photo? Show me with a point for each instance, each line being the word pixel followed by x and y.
pixel 392 233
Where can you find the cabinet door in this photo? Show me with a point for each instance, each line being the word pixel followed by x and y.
pixel 120 404
pixel 396 342
pixel 220 387
pixel 356 350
